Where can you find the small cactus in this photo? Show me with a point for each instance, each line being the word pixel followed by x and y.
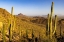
pixel 3 33
pixel 10 37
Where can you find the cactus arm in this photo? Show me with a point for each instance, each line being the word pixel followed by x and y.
pixel 55 24
pixel 48 22
pixel 47 25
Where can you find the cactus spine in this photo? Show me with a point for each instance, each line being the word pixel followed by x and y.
pixel 3 33
pixel 10 29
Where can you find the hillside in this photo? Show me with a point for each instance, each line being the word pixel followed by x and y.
pixel 5 17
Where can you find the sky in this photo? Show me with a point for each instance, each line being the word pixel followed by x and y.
pixel 33 7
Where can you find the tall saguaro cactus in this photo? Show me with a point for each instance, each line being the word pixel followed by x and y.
pixel 49 27
pixel 11 29
pixel 51 20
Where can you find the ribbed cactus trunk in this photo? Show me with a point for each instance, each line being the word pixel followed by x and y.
pixel 51 21
pixel 3 34
pixel 11 29
pixel 55 24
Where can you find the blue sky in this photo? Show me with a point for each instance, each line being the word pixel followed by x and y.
pixel 33 7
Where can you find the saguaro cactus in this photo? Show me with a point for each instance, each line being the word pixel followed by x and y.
pixel 3 34
pixel 11 29
pixel 51 20
pixel 49 27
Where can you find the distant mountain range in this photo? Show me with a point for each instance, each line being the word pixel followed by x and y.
pixel 37 19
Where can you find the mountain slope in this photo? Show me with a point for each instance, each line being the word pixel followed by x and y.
pixel 5 17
